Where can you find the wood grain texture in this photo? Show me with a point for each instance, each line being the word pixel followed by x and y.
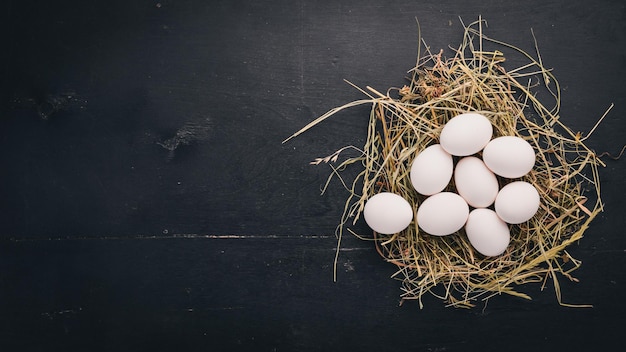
pixel 147 203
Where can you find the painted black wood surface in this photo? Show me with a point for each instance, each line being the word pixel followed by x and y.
pixel 147 203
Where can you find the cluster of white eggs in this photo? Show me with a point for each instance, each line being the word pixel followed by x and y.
pixel 479 204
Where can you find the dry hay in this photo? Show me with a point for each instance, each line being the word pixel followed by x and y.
pixel 405 121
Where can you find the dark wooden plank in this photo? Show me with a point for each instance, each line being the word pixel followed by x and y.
pixel 266 293
pixel 116 80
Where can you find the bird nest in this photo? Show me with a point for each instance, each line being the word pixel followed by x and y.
pixel 404 121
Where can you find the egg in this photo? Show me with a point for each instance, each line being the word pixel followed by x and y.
pixel 442 214
pixel 387 213
pixel 475 182
pixel 431 170
pixel 509 156
pixel 466 134
pixel 487 233
pixel 517 202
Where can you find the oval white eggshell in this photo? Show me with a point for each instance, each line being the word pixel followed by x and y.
pixel 475 182
pixel 387 213
pixel 442 214
pixel 466 134
pixel 431 170
pixel 509 156
pixel 487 233
pixel 517 202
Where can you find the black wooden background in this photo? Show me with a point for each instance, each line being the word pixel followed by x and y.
pixel 147 203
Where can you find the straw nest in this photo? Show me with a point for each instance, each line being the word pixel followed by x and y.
pixel 406 120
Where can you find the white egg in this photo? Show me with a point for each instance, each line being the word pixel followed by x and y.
pixel 442 214
pixel 431 170
pixel 466 134
pixel 509 156
pixel 387 213
pixel 517 202
pixel 475 182
pixel 487 233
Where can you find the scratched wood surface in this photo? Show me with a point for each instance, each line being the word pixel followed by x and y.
pixel 147 203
